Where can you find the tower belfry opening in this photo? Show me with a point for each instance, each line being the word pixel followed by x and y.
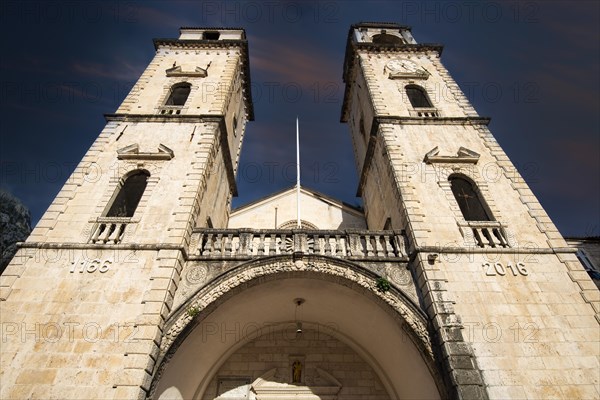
pixel 179 94
pixel 447 284
pixel 129 195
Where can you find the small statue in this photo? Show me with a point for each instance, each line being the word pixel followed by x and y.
pixel 296 372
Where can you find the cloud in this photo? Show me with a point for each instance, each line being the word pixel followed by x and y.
pixel 153 17
pixel 121 71
pixel 30 65
pixel 559 18
pixel 574 90
pixel 293 61
pixel 581 152
pixel 573 175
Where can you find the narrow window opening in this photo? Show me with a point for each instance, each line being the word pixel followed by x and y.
pixel 468 200
pixel 234 126
pixel 129 195
pixel 418 97
pixel 388 224
pixel 211 35
pixel 179 94
pixel 363 132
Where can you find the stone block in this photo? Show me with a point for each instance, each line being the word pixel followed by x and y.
pixel 7 280
pixel 38 376
pixel 457 349
pixel 591 295
pixel 471 392
pixel 129 392
pixel 461 362
pixel 4 293
pixel 467 377
pixel 579 275
pixel 506 392
pixel 451 334
pixel 134 377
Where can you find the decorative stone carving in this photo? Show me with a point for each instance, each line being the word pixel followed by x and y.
pixel 195 274
pixel 463 156
pixel 176 70
pixel 414 323
pixel 132 152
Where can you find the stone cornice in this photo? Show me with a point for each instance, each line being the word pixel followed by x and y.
pixel 399 48
pixel 498 250
pixel 199 43
pixel 196 118
pixel 111 247
pixel 399 120
pixel 387 25
pixel 213 28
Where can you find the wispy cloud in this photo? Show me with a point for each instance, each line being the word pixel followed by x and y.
pixel 121 71
pixel 574 90
pixel 580 152
pixel 292 61
pixel 30 65
pixel 559 22
pixel 149 16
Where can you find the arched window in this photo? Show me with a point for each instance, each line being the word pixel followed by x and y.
pixel 385 38
pixel 418 97
pixel 468 200
pixel 179 94
pixel 129 195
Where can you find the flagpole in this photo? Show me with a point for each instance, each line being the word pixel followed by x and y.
pixel 298 174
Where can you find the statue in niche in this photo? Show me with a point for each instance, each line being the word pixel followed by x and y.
pixel 296 372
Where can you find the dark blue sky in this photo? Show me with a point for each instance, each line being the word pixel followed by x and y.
pixel 532 66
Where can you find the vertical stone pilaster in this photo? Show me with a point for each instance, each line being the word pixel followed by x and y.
pixel 461 371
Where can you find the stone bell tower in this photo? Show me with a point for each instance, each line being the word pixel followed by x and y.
pixel 84 300
pixel 511 309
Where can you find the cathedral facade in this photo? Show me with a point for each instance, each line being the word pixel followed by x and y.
pixel 451 283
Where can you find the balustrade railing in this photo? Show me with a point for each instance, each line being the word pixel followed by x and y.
pixel 170 110
pixel 423 112
pixel 244 243
pixel 108 231
pixel 485 234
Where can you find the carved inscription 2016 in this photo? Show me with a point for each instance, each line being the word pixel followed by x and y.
pixel 497 268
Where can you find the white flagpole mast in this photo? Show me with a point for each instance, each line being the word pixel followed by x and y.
pixel 298 173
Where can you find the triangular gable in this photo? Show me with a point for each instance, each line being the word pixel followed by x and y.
pixel 464 156
pixel 279 211
pixel 132 152
pixel 176 70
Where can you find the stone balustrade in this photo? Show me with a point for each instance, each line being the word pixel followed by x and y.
pixel 109 230
pixel 251 243
pixel 423 112
pixel 170 110
pixel 485 234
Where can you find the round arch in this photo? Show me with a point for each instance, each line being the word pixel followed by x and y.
pixel 387 330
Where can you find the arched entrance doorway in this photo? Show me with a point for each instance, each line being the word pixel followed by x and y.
pixel 354 330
